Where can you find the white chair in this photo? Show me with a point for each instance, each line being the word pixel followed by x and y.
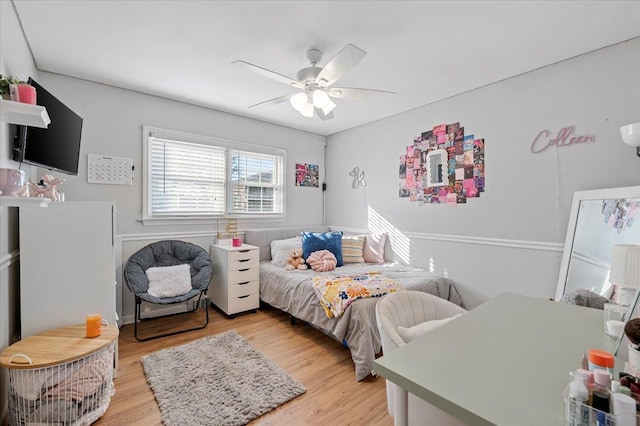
pixel 406 309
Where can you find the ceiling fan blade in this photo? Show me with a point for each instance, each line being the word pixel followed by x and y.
pixel 269 74
pixel 358 94
pixel 340 64
pixel 274 101
pixel 322 115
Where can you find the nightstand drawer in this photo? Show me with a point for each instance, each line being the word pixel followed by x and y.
pixel 243 255
pixel 235 265
pixel 243 289
pixel 243 275
pixel 243 303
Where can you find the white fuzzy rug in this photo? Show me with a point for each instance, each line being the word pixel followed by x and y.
pixel 218 380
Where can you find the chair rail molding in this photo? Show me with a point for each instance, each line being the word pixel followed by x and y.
pixel 468 239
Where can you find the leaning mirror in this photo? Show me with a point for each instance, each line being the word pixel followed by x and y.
pixel 599 219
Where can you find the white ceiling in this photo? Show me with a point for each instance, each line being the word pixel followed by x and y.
pixel 425 51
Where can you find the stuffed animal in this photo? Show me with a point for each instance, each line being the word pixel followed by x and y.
pixel 295 261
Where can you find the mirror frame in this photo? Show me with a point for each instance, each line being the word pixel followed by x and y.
pixel 578 197
pixel 437 158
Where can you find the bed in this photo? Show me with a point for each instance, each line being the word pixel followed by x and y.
pixel 292 292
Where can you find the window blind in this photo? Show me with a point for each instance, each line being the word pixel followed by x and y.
pixel 256 182
pixel 186 178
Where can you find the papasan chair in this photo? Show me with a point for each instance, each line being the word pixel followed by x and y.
pixel 169 253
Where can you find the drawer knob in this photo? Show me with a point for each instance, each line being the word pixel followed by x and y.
pixel 244 297
pixel 242 270
pixel 245 283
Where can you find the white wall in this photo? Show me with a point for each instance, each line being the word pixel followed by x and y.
pixel 509 239
pixel 15 59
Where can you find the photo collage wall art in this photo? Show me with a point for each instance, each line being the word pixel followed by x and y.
pixel 465 166
pixel 307 175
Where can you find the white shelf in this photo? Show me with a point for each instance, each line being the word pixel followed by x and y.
pixel 12 201
pixel 24 114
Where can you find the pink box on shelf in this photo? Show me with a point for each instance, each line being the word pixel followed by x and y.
pixel 27 94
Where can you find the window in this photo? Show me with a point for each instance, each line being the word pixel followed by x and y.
pixel 190 176
pixel 256 182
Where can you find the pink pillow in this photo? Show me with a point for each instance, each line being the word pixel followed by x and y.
pixel 374 248
pixel 322 261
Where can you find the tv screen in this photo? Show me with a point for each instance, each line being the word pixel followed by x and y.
pixel 56 147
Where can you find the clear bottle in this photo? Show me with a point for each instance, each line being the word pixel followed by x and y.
pixel 578 414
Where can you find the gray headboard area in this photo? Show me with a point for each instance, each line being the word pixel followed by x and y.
pixel 262 237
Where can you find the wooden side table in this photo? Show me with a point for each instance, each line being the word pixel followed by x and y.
pixel 60 376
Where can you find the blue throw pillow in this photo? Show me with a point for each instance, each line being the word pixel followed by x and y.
pixel 314 241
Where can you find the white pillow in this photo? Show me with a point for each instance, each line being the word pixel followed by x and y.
pixel 281 250
pixel 409 333
pixel 373 251
pixel 169 281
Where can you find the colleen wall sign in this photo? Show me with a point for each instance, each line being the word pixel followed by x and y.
pixel 565 137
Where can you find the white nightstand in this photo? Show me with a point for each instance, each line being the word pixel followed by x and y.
pixel 234 286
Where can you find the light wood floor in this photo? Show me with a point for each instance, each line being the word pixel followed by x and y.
pixel 320 363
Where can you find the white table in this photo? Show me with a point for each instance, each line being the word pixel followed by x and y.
pixel 505 362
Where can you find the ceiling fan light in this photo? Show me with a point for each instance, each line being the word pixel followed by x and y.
pixel 328 107
pixel 307 110
pixel 320 98
pixel 298 100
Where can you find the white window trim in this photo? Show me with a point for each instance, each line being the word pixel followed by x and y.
pixel 147 219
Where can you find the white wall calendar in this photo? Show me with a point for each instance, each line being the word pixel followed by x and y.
pixel 109 170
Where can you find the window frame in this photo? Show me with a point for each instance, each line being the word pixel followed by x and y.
pixel 229 145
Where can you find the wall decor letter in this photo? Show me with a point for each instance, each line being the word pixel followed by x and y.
pixel 565 137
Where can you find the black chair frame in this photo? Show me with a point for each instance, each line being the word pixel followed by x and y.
pixel 169 253
pixel 200 327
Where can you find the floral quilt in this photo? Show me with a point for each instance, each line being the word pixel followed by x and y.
pixel 337 292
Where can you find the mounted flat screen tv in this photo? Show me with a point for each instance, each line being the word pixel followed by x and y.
pixel 57 147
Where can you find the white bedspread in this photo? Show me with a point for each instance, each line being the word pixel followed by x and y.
pixel 292 292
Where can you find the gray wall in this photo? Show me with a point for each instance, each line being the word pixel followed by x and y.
pixel 509 239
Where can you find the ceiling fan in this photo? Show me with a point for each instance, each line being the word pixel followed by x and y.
pixel 316 83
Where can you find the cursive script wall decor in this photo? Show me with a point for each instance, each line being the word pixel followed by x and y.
pixel 565 137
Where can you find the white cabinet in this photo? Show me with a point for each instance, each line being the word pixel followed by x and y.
pixel 235 286
pixel 67 265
